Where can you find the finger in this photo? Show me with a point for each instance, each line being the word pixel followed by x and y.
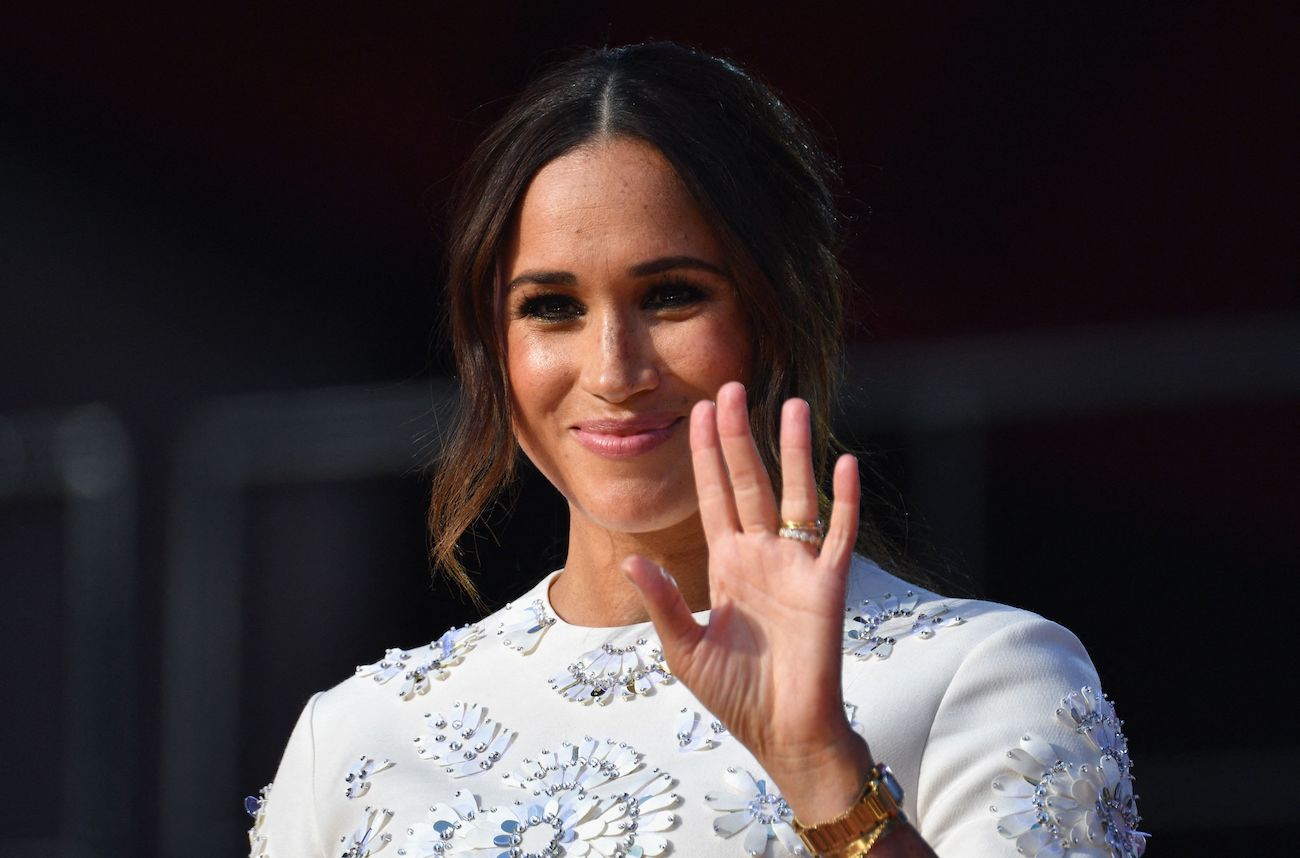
pixel 798 486
pixel 750 485
pixel 717 508
pixel 837 549
pixel 678 631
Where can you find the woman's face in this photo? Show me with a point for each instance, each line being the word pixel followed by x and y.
pixel 620 315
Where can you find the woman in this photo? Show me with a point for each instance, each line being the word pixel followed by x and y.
pixel 645 299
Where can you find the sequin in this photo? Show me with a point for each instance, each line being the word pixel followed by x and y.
pixel 693 735
pixel 523 628
pixel 447 821
pixel 369 837
pixel 463 740
pixel 1052 803
pixel 588 797
pixel 418 666
pixel 613 672
pixel 873 627
pixel 751 805
pixel 357 780
pixel 255 806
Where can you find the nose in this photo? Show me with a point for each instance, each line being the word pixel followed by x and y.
pixel 621 360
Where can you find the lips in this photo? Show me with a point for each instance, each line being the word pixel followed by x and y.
pixel 626 437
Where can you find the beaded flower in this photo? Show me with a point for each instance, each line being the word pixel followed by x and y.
pixel 871 628
pixel 417 666
pixel 696 732
pixel 524 627
pixel 568 816
pixel 611 671
pixel 447 821
pixel 1054 804
pixel 369 836
pixel 464 740
pixel 754 807
pixel 357 780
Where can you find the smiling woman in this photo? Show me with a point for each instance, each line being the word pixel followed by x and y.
pixel 620 317
pixel 757 183
pixel 645 301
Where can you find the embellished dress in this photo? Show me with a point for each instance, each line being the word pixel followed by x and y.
pixel 525 736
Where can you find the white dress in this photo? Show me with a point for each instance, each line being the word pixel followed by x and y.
pixel 523 735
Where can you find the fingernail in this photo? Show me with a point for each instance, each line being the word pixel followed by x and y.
pixel 670 579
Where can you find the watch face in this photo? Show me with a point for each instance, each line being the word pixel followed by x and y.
pixel 891 784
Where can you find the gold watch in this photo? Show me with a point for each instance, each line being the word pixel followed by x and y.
pixel 855 831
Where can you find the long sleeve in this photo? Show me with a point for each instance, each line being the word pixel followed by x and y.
pixel 286 824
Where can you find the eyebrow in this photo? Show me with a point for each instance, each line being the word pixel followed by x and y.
pixel 641 269
pixel 671 263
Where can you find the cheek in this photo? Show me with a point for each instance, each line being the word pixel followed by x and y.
pixel 537 374
pixel 712 353
pixel 533 369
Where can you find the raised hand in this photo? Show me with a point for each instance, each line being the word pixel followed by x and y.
pixel 768 662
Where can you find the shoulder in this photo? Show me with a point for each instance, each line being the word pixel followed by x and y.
pixel 468 658
pixel 383 723
pixel 955 659
pixel 986 707
pixel 405 675
pixel 882 610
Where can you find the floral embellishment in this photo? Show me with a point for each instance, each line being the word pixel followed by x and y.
pixel 611 671
pixel 693 734
pixel 255 806
pixel 570 824
pixel 1051 805
pixel 1093 715
pixel 448 820
pixel 583 767
pixel 525 630
pixel 567 816
pixel 464 741
pixel 752 806
pixel 357 780
pixel 369 837
pixel 872 628
pixel 419 665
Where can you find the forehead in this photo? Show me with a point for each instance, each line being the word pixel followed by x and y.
pixel 613 199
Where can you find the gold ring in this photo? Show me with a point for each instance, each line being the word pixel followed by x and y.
pixel 810 532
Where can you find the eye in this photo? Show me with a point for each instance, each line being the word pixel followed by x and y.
pixel 674 294
pixel 552 307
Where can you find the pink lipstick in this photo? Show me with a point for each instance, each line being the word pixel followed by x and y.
pixel 626 437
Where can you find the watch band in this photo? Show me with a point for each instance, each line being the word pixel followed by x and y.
pixel 852 833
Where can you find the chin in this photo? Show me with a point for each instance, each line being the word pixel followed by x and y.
pixel 636 512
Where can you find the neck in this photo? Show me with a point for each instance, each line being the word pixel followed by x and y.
pixel 593 591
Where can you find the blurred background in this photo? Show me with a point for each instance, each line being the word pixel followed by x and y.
pixel 1074 361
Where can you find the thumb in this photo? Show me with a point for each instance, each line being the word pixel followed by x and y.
pixel 678 631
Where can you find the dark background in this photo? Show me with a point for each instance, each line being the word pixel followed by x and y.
pixel 1073 355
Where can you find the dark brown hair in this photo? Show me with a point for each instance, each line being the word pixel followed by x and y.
pixel 760 179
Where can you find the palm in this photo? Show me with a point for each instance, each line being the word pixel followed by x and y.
pixel 770 651
pixel 768 662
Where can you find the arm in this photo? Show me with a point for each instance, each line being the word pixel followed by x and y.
pixel 1023 703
